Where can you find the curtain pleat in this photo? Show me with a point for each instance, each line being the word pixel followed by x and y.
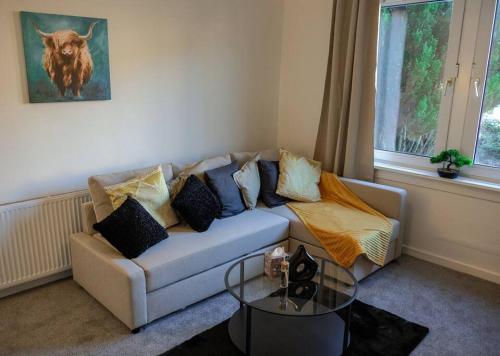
pixel 345 134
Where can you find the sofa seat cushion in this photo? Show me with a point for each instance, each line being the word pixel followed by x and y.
pixel 300 232
pixel 186 252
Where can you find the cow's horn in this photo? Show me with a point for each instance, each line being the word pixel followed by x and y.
pixel 88 36
pixel 40 32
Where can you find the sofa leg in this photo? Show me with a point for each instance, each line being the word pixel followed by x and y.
pixel 136 330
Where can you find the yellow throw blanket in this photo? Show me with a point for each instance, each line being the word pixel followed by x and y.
pixel 344 224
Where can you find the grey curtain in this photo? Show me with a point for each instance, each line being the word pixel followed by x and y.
pixel 345 135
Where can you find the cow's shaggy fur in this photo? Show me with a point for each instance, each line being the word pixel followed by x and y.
pixel 67 60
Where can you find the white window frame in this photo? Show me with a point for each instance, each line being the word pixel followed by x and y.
pixel 466 60
pixel 450 72
pixel 478 71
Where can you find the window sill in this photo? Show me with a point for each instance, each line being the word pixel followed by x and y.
pixel 432 177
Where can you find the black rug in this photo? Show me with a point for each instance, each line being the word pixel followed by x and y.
pixel 373 332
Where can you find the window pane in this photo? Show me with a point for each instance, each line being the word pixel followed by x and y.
pixel 488 142
pixel 413 40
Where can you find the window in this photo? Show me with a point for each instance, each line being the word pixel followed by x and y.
pixel 433 58
pixel 412 51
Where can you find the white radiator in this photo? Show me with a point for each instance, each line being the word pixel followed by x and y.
pixel 34 237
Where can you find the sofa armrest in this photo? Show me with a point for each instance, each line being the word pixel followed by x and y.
pixel 88 218
pixel 390 201
pixel 115 281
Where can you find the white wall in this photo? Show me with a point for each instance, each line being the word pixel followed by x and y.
pixel 450 224
pixel 189 78
pixel 304 57
pixel 447 224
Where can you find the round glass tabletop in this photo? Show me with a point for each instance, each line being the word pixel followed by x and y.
pixel 331 288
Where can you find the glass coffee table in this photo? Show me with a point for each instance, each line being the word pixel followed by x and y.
pixel 307 318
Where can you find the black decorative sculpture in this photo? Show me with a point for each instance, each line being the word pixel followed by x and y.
pixel 302 266
pixel 299 294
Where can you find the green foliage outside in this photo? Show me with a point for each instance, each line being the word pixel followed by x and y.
pixel 492 94
pixel 425 52
pixel 488 148
pixel 426 42
pixel 452 158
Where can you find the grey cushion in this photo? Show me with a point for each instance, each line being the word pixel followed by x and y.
pixel 300 232
pixel 186 253
pixel 102 204
pixel 220 181
pixel 248 180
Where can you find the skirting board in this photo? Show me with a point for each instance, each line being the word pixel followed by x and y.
pixel 452 264
pixel 35 283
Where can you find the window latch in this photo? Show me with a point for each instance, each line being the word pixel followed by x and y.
pixel 446 85
pixel 476 87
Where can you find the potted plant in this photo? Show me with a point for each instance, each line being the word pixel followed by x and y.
pixel 451 158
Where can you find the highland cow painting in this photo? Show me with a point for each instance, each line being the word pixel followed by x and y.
pixel 67 57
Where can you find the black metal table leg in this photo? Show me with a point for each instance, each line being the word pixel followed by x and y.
pixel 242 282
pixel 346 328
pixel 248 330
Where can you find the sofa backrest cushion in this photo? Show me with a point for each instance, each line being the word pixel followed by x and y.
pixel 198 169
pixel 271 154
pixel 102 203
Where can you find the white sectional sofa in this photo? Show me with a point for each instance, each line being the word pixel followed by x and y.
pixel 190 266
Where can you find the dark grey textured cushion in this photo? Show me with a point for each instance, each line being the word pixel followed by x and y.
pixel 131 229
pixel 220 181
pixel 269 172
pixel 197 205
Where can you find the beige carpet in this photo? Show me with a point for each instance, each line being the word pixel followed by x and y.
pixel 462 312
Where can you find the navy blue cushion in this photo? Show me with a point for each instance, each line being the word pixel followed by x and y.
pixel 220 181
pixel 131 229
pixel 196 204
pixel 269 172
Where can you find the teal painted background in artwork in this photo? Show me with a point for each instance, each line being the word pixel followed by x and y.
pixel 40 87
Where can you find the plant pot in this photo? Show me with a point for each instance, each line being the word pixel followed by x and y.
pixel 448 173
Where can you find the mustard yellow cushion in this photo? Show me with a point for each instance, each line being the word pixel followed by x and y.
pixel 298 178
pixel 150 191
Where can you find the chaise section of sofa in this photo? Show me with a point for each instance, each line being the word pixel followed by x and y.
pixel 390 201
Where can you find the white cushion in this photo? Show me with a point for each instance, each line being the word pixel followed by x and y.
pixel 186 252
pixel 298 177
